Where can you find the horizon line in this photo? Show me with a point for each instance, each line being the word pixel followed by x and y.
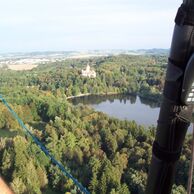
pixel 79 50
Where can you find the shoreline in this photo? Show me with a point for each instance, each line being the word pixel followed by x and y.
pixel 89 94
pixel 113 93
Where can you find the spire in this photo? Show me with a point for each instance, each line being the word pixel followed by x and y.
pixel 88 68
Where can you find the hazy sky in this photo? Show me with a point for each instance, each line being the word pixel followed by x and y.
pixel 54 25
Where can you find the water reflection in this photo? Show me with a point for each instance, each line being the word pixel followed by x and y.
pixel 143 111
pixel 129 107
pixel 152 104
pixel 98 99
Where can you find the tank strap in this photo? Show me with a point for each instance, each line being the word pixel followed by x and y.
pixel 164 155
pixel 185 16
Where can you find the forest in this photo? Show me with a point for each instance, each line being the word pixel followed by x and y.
pixel 105 154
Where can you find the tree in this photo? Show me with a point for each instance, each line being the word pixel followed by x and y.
pixel 18 186
pixel 7 162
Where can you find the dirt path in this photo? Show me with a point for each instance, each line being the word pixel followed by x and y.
pixel 21 67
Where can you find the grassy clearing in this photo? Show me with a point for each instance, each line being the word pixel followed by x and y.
pixel 7 133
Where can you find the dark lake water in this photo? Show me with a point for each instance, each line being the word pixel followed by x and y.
pixel 144 112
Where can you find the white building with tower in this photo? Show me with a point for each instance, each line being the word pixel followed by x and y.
pixel 88 72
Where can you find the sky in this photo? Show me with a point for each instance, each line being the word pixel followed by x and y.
pixel 62 25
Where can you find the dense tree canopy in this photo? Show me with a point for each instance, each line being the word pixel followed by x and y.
pixel 105 154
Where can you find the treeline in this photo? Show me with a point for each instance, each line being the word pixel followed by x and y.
pixel 106 155
pixel 140 75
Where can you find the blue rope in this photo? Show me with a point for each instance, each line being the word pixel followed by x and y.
pixel 44 149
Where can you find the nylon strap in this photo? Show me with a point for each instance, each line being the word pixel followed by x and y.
pixel 43 148
pixel 185 16
pixel 164 155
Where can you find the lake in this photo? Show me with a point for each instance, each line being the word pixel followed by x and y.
pixel 143 111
